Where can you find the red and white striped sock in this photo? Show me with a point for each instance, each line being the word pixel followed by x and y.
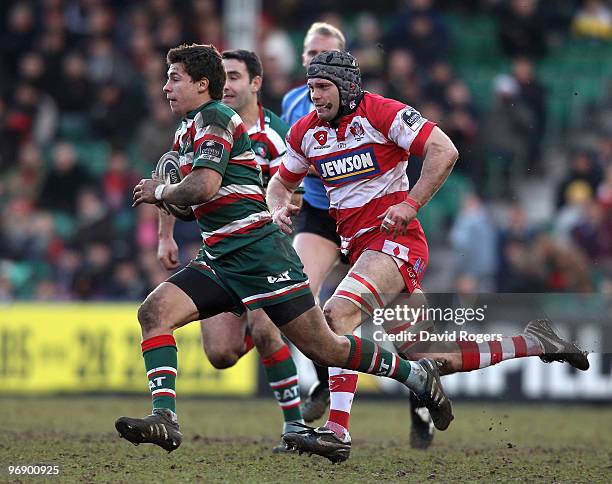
pixel 342 387
pixel 480 355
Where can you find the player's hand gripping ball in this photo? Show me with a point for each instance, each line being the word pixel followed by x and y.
pixel 168 169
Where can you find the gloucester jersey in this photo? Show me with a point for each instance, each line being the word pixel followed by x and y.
pixel 362 163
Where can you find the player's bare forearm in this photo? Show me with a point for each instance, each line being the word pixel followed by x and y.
pixel 440 157
pixel 199 186
pixel 165 228
pixel 279 192
pixel 167 249
pixel 279 202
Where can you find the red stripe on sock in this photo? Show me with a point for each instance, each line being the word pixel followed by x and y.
pixel 353 363
pixel 470 355
pixel 520 346
pixel 157 342
pixel 369 286
pixel 339 417
pixel 163 394
pixel 162 372
pixel 356 298
pixel 277 357
pixel 496 352
pixel 297 404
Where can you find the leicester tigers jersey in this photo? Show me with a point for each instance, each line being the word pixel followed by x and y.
pixel 213 136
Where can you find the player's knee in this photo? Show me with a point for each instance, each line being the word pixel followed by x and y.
pixel 266 338
pixel 337 317
pixel 222 360
pixel 149 315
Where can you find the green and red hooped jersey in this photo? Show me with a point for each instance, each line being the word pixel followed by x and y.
pixel 213 136
pixel 268 142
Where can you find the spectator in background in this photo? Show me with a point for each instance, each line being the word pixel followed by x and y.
pixel 32 69
pixel 276 45
pixel 65 270
pixel 94 221
pixel 276 85
pixel 508 126
pixel 206 23
pixel 118 181
pixel 105 64
pixel 533 95
pixel 604 191
pixel 593 20
pixel 92 280
pixel 169 32
pixel 16 228
pixel 578 198
pixel 366 47
pixel 127 283
pixel 513 241
pixel 31 117
pixel 604 150
pixel 26 178
pixel 17 36
pixel 73 90
pixel 461 125
pixel 592 233
pixel 7 143
pixel 278 61
pixel 604 198
pixel 474 242
pixel 403 82
pixel 522 30
pixel 64 180
pixel 440 76
pixel 152 138
pixel 53 47
pixel 422 30
pixel 563 267
pixel 112 115
pixel 583 172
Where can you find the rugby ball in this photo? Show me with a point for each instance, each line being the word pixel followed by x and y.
pixel 169 170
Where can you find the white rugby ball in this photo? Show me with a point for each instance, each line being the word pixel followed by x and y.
pixel 169 170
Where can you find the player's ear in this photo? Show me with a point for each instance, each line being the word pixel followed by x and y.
pixel 256 83
pixel 202 85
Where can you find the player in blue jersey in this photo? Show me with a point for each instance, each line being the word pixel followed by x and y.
pixel 317 244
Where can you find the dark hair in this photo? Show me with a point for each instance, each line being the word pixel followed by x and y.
pixel 250 59
pixel 201 61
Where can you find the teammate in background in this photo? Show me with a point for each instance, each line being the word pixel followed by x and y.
pixel 359 143
pixel 317 243
pixel 245 260
pixel 223 335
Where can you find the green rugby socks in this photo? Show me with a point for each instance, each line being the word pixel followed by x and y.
pixel 283 379
pixel 367 357
pixel 161 362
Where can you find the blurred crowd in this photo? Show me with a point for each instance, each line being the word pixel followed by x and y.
pixel 83 117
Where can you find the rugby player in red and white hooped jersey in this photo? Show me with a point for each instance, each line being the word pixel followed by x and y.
pixel 359 143
pixel 317 243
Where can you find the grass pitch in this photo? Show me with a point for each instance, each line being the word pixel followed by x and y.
pixel 230 441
